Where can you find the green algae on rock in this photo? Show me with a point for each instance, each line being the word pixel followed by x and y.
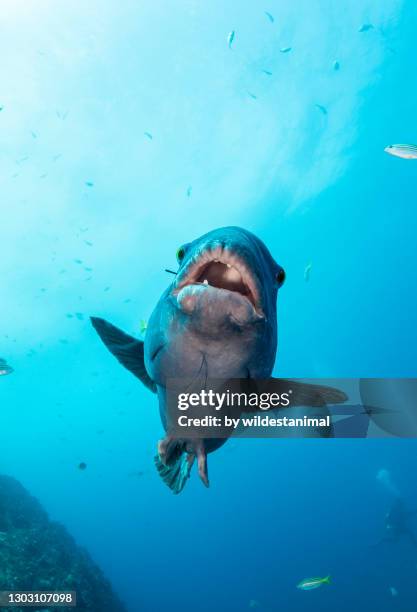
pixel 37 554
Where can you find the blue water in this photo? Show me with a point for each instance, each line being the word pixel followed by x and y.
pixel 81 83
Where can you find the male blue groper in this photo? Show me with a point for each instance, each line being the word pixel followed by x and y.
pixel 217 320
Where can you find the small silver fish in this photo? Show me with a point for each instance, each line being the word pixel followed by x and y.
pixel 393 591
pixel 365 27
pixel 270 17
pixel 230 38
pixel 286 49
pixel 336 65
pixel 307 272
pixel 148 135
pixel 321 108
pixel 5 369
pixel 308 584
pixel 405 151
pixel 268 72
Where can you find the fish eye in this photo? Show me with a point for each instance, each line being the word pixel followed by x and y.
pixel 280 277
pixel 180 254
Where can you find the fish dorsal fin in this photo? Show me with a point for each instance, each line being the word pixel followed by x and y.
pixel 127 349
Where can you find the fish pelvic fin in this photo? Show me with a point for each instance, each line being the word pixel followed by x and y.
pixel 128 350
pixel 176 474
pixel 175 459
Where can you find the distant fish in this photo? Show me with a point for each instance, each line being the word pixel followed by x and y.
pixel 252 95
pixel 82 466
pixel 5 369
pixel 148 135
pixel 307 272
pixel 270 17
pixel 365 27
pixel 89 184
pixel 137 474
pixel 385 477
pixel 286 49
pixel 230 38
pixel 336 65
pixel 393 591
pixel 1 108
pixel 189 190
pixel 308 584
pixel 268 72
pixel 143 326
pixel 88 243
pixel 405 151
pixel 321 108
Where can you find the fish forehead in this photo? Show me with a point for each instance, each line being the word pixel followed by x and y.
pixel 240 240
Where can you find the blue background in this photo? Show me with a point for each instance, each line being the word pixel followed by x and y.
pixel 81 84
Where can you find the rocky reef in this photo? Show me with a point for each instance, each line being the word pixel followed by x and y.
pixel 37 554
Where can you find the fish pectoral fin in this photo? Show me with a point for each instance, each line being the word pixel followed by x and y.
pixel 305 394
pixel 176 474
pixel 128 350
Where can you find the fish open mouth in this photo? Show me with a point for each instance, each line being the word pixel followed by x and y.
pixel 221 269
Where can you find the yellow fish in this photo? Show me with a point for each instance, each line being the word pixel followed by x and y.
pixel 308 584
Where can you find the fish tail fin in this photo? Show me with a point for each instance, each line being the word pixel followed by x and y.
pixel 326 580
pixel 176 474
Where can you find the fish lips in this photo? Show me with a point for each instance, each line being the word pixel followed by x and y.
pixel 216 304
